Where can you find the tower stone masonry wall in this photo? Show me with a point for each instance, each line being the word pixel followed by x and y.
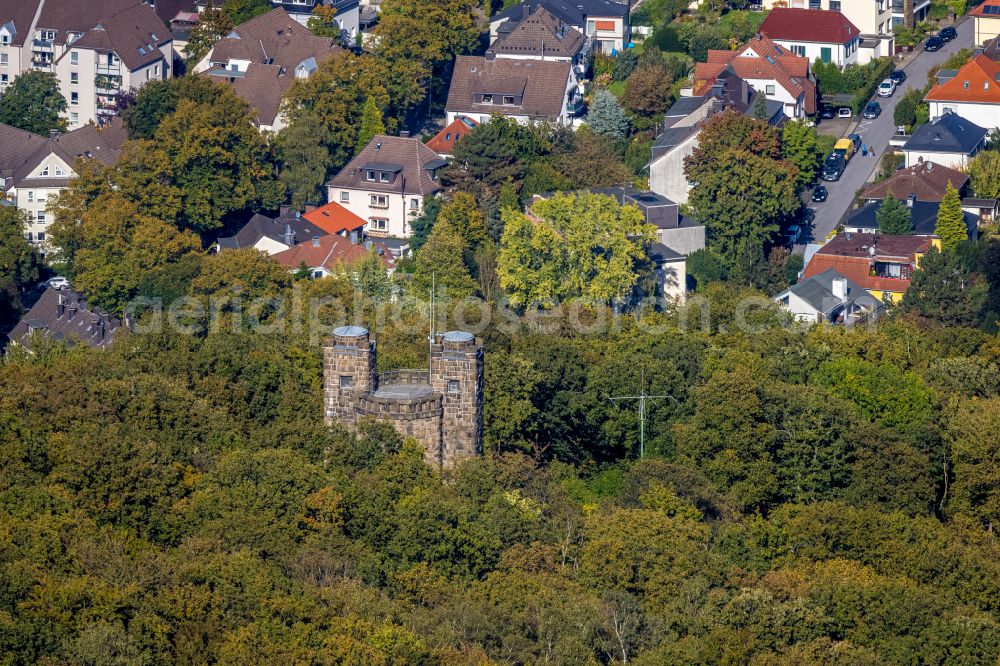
pixel 446 416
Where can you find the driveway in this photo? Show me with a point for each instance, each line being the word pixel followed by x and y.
pixel 877 133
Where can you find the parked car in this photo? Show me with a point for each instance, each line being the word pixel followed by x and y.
pixel 845 112
pixel 886 88
pixel 898 76
pixel 856 140
pixel 872 110
pixel 819 193
pixel 792 234
pixel 808 215
pixel 827 112
pixel 833 168
pixel 933 44
pixel 948 34
pixel 57 282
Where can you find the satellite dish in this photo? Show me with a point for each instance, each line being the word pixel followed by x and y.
pixel 871 250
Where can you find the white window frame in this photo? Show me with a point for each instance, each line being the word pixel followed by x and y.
pixel 74 57
pixel 345 196
pixel 378 201
pixel 74 99
pixel 383 177
pixel 370 175
pixel 378 224
pixel 769 90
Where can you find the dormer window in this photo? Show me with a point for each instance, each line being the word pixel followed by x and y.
pixel 487 99
pixel 508 100
pixel 370 175
pixel 383 177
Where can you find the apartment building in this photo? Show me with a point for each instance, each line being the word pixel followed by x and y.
pixel 95 50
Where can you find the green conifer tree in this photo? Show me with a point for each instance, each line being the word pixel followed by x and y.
pixel 371 124
pixel 894 216
pixel 950 221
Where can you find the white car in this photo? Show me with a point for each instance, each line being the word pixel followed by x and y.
pixel 57 282
pixel 845 112
pixel 886 88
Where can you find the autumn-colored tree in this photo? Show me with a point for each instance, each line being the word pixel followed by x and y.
pixel 213 24
pixel 647 90
pixel 322 22
pixel 592 161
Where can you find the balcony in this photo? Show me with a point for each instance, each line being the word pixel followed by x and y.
pixel 42 44
pixel 108 84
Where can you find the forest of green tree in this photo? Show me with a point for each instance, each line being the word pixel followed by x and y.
pixel 807 497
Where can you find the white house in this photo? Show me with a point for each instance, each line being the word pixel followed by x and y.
pixel 873 18
pixel 973 93
pixel 604 23
pixel 816 34
pixel 949 140
pixel 386 183
pixel 829 297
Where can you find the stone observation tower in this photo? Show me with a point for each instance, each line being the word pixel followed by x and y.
pixel 442 407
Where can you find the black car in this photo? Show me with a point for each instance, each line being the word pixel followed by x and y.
pixel 872 110
pixel 819 193
pixel 933 43
pixel 897 76
pixel 948 34
pixel 827 112
pixel 833 167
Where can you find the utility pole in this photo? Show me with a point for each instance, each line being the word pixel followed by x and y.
pixel 643 398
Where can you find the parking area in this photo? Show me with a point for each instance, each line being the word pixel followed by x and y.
pixel 835 126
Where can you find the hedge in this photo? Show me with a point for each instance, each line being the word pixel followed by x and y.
pixel 864 94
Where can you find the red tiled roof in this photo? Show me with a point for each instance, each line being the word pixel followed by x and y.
pixel 849 256
pixel 977 81
pixel 809 25
pixel 334 218
pixel 445 140
pixel 926 181
pixel 331 252
pixel 980 10
pixel 760 58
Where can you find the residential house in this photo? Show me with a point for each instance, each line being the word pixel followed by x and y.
pixel 329 255
pixel 769 68
pixel 882 265
pixel 94 49
pixel 18 146
pixel 669 272
pixel 444 141
pixel 17 19
pixel 925 181
pixel 272 235
pixel 336 219
pixel 525 90
pixel 972 93
pixel 48 169
pixel 816 34
pixel 987 22
pixel 543 36
pixel 63 315
pixel 829 297
pixel 682 123
pixel 923 214
pixel 949 140
pixel 386 183
pixel 181 26
pixel 261 59
pixel 604 23
pixel 347 16
pixel 874 18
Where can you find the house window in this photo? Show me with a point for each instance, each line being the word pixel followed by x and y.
pixel 379 201
pixel 591 27
pixel 74 57
pixel 453 386
pixel 4 39
pixel 508 100
pixel 41 217
pixel 447 136
pixel 74 78
pixel 31 196
pixel 346 381
pixel 45 171
pixel 74 98
pixel 40 236
pixel 799 50
pixel 317 274
pixel 768 90
pixel 487 99
pixel 383 176
pixel 378 224
pixel 3 59
pixel 826 54
pixel 370 175
pixel 414 203
pixel 74 118
pixel 835 5
pixel 3 79
pixel 59 171
pixel 345 197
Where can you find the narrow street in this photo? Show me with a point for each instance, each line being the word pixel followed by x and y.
pixel 877 133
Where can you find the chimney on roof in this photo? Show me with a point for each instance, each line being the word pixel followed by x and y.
pixel 54 134
pixel 839 288
pixel 298 214
pixel 404 134
pixel 310 207
pixel 289 236
pixel 930 167
pixel 910 199
pixel 315 241
pixel 60 307
pixel 72 311
pixel 525 10
pixel 283 210
pixel 378 145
